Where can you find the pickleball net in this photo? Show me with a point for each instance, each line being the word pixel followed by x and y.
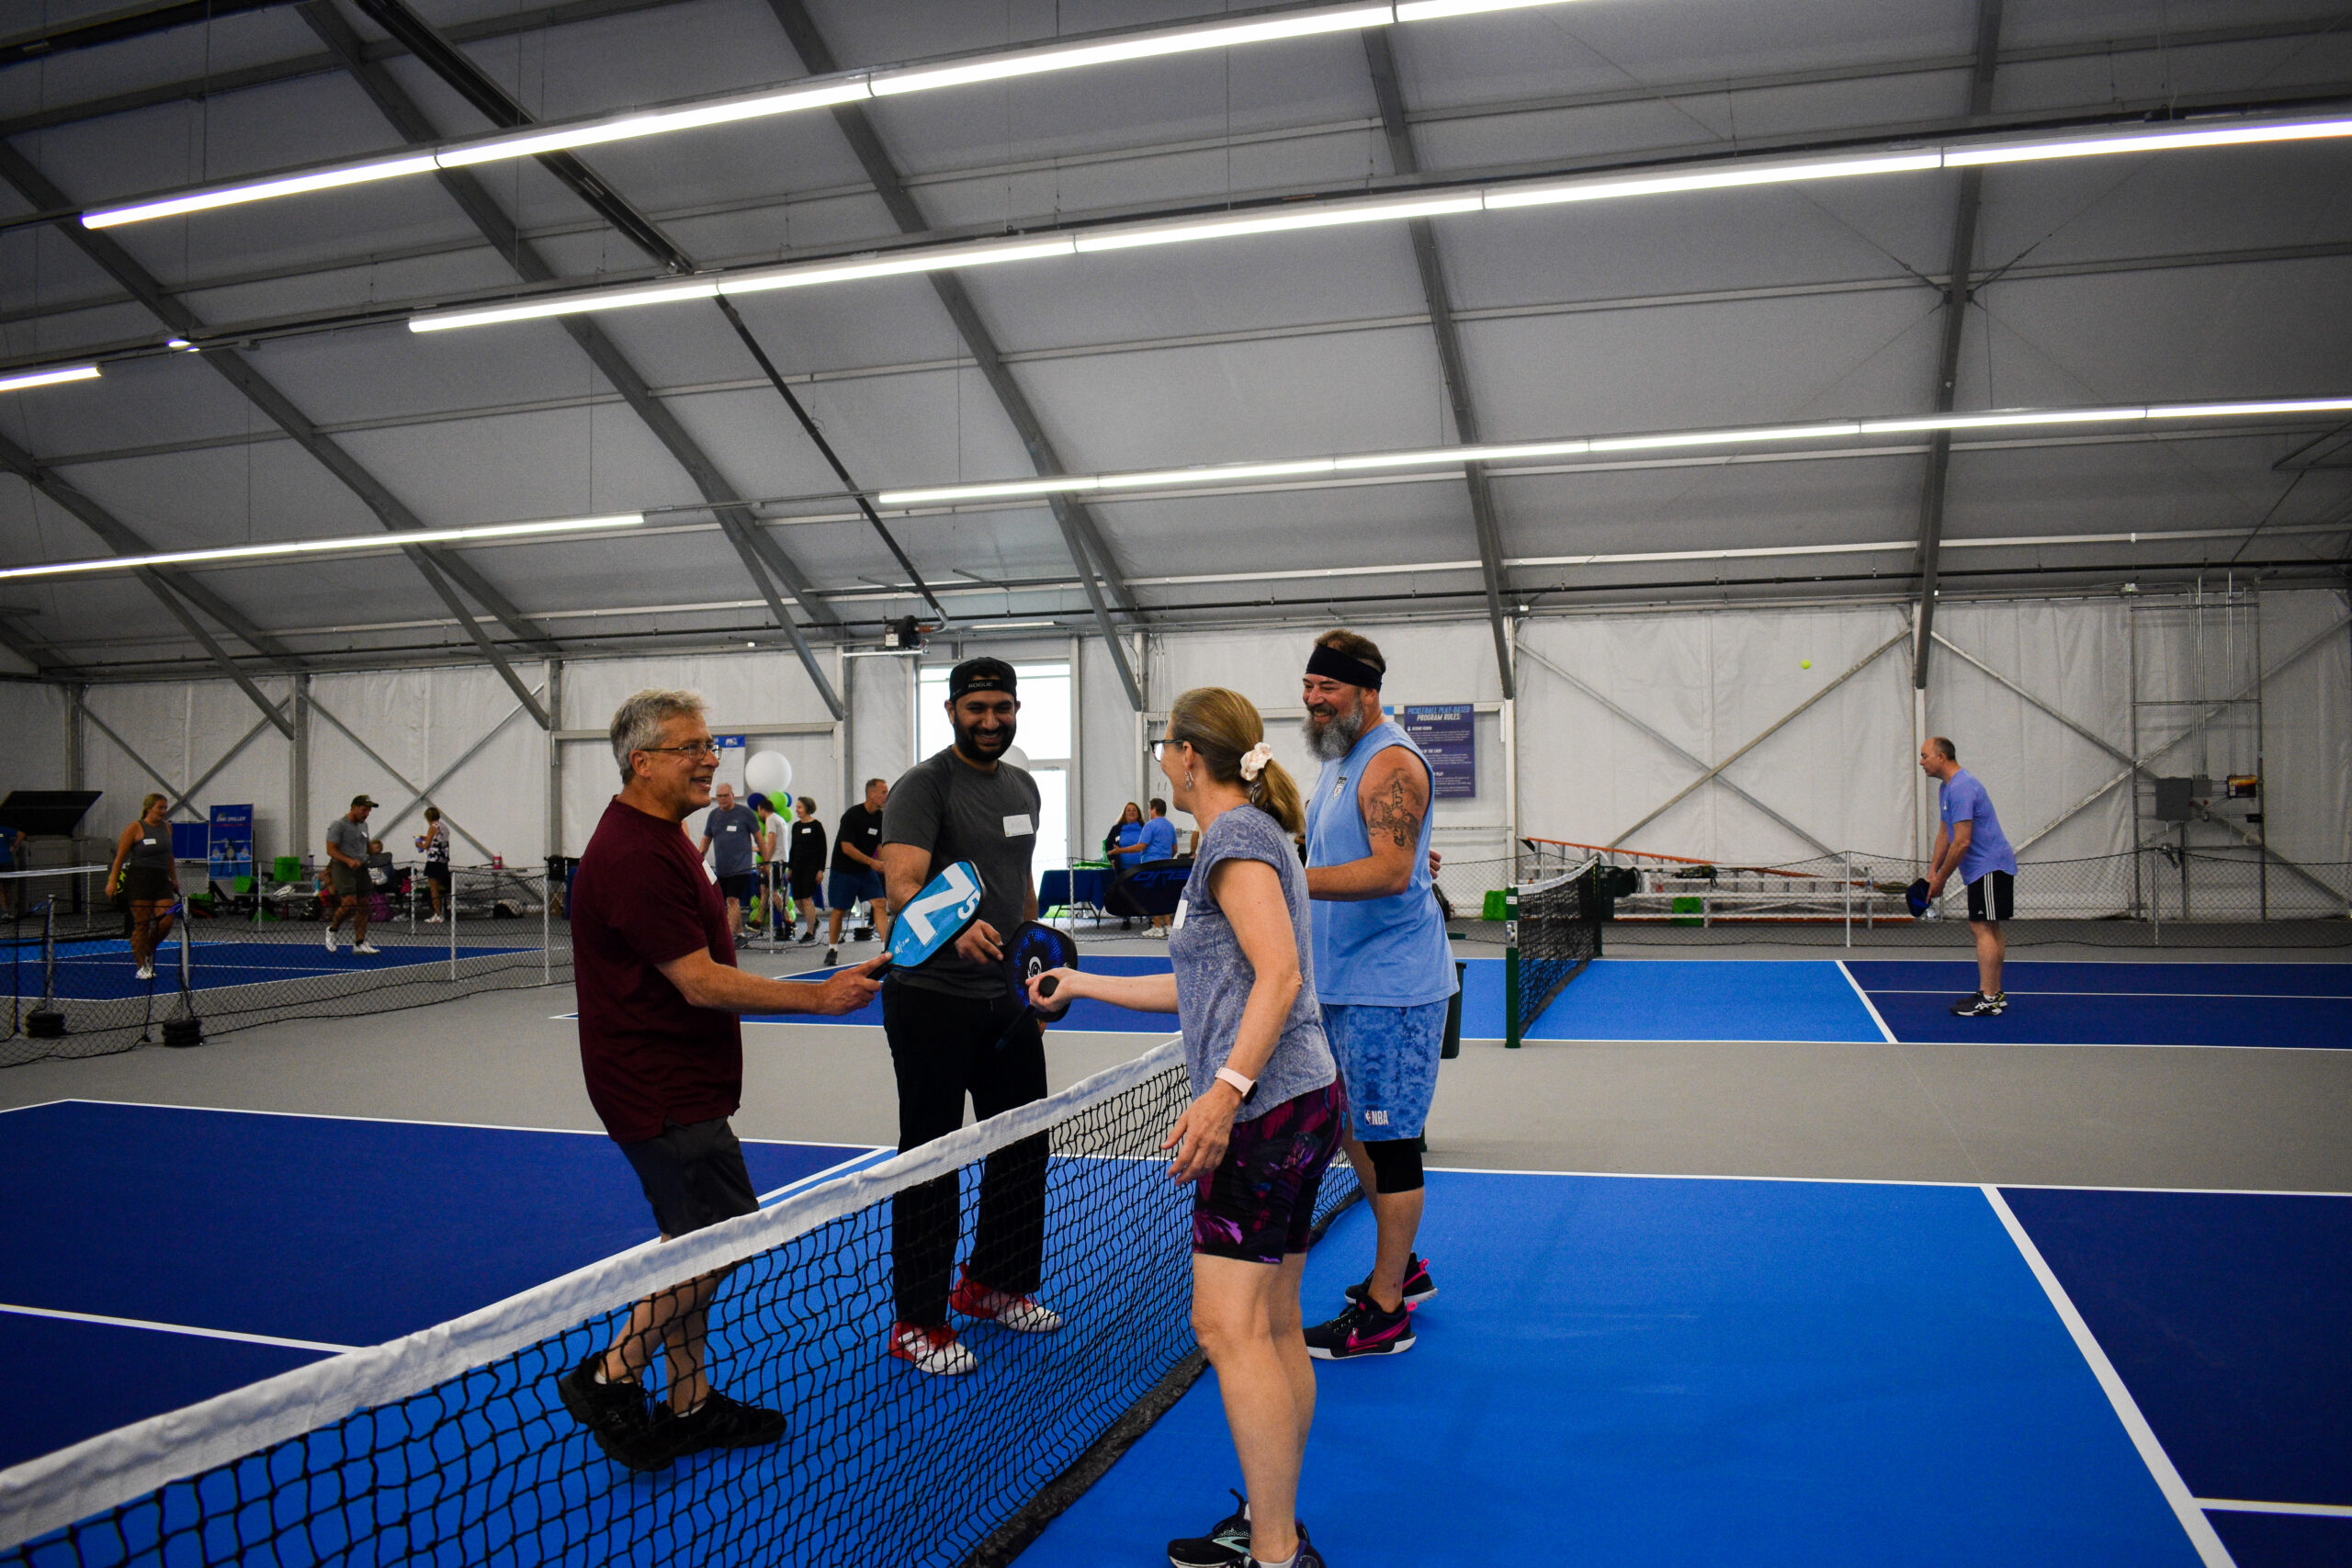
pixel 450 1446
pixel 1552 932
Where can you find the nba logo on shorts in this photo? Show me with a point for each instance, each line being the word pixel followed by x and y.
pixel 1375 1118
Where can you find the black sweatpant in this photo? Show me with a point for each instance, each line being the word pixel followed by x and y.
pixel 942 1048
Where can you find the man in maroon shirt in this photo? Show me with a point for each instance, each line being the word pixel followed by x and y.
pixel 663 1050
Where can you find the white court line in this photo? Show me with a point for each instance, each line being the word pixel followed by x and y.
pixel 854 1162
pixel 2151 996
pixel 2184 1506
pixel 413 1121
pixel 1969 1044
pixel 177 1328
pixel 2235 1505
pixel 1883 1182
pixel 36 1105
pixel 1864 996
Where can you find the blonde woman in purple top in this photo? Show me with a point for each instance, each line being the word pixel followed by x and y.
pixel 1267 1111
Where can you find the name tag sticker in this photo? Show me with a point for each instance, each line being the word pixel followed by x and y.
pixel 1019 826
pixel 1181 905
pixel 707 870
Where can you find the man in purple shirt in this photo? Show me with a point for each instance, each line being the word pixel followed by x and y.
pixel 1969 840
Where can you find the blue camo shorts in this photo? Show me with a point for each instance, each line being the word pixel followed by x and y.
pixel 1387 1058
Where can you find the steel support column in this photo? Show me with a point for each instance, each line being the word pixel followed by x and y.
pixel 1081 535
pixel 1955 317
pixel 1382 60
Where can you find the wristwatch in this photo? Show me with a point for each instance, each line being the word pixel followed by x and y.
pixel 1246 1088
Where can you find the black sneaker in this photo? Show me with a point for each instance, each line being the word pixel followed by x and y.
pixel 1419 1286
pixel 1363 1330
pixel 1976 1004
pixel 1227 1543
pixel 832 956
pixel 614 1414
pixel 809 938
pixel 717 1422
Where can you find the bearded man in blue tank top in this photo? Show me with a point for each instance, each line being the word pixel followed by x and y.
pixel 1383 971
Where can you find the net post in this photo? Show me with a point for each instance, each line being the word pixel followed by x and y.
pixel 1512 980
pixel 454 901
pixel 547 925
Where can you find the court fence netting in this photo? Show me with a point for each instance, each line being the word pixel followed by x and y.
pixel 451 1447
pixel 2155 896
pixel 233 960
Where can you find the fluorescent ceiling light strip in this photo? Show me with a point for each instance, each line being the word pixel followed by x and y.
pixel 49 377
pixel 655 122
pixel 326 547
pixel 1136 46
pixel 1610 187
pixel 259 190
pixel 564 305
pixel 1442 457
pixel 1321 215
pixel 2164 139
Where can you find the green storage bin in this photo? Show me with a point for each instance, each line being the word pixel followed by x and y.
pixel 1497 905
pixel 1689 910
pixel 286 868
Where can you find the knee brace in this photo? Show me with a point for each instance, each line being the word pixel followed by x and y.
pixel 1396 1164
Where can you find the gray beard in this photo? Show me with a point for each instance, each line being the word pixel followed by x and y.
pixel 1335 739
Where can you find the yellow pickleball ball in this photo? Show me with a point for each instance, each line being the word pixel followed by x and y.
pixel 1804 663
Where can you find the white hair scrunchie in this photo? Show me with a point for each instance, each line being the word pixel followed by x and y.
pixel 1254 761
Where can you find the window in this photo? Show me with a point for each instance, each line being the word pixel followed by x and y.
pixel 1043 733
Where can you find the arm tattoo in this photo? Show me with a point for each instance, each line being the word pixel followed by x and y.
pixel 1395 812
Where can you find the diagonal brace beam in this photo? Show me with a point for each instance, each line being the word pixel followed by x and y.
pixel 314 705
pixel 1771 729
pixel 1692 758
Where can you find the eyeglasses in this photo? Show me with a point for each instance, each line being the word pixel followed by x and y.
pixel 691 748
pixel 1159 747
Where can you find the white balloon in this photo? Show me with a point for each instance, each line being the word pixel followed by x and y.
pixel 1016 756
pixel 769 773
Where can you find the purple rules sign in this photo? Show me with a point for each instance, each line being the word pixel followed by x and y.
pixel 1448 736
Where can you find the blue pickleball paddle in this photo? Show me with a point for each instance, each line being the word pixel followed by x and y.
pixel 943 911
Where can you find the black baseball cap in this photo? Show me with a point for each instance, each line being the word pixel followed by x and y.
pixel 979 675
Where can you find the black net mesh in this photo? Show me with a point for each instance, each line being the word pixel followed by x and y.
pixel 1555 931
pixel 878 1462
pixel 228 961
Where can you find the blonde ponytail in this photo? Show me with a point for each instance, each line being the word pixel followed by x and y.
pixel 1224 727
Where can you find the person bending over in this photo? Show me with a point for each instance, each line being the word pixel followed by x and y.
pixel 145 870
pixel 663 1052
pixel 948 1022
pixel 1267 1112
pixel 1969 840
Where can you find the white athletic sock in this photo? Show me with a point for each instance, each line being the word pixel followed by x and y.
pixel 1290 1561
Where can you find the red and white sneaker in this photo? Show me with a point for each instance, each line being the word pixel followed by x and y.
pixel 1022 1315
pixel 933 1351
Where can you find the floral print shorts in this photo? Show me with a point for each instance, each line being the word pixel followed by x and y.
pixel 1258 1204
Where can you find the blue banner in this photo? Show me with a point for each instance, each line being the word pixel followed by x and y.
pixel 1448 736
pixel 231 843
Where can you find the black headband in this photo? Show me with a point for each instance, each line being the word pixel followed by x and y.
pixel 1343 667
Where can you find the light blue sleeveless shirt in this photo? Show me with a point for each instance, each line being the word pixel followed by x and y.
pixel 1387 952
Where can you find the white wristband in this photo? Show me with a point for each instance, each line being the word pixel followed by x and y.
pixel 1243 1086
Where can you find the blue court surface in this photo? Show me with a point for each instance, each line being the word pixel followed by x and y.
pixel 1664 1371
pixel 1623 998
pixel 102 970
pixel 2305 1005
pixel 293 1236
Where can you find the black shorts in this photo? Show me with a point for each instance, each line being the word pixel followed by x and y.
pixel 693 1176
pixel 807 884
pixel 742 887
pixel 437 873
pixel 1258 1205
pixel 1993 896
pixel 147 884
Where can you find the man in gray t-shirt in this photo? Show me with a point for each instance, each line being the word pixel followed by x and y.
pixel 729 835
pixel 956 1027
pixel 347 886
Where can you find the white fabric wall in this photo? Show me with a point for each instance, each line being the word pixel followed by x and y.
pixel 180 729
pixel 1709 679
pixel 745 691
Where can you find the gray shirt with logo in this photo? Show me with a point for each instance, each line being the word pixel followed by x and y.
pixel 1213 976
pixel 733 831
pixel 953 811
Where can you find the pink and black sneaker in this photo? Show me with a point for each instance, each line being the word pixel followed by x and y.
pixel 1363 1330
pixel 1419 1286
